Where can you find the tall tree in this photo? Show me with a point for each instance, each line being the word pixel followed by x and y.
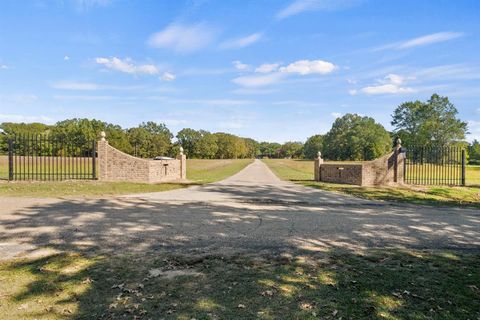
pixel 433 122
pixel 151 139
pixel 312 146
pixel 291 149
pixel 206 147
pixel 474 152
pixel 188 138
pixel 353 137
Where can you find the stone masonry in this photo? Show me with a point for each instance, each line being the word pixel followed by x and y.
pixel 387 170
pixel 115 165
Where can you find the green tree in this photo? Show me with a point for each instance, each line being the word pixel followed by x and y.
pixel 206 147
pixel 82 131
pixel 10 129
pixel 312 146
pixel 253 148
pixel 474 152
pixel 433 122
pixel 188 139
pixel 151 139
pixel 353 137
pixel 270 149
pixel 291 149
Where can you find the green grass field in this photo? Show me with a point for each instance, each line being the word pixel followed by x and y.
pixel 301 172
pixel 198 171
pixel 378 284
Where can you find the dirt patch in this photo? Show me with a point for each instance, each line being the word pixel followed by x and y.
pixel 170 274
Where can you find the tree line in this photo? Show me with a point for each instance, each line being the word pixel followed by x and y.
pixel 351 137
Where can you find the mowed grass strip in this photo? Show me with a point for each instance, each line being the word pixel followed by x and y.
pixel 378 284
pixel 198 172
pixel 301 172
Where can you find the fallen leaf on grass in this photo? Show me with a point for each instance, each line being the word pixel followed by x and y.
pixel 241 306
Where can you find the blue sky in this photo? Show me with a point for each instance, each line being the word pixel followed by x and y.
pixel 270 70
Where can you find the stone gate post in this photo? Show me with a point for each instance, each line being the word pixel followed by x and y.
pixel 102 156
pixel 183 164
pixel 317 164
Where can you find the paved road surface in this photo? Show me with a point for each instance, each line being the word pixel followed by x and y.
pixel 252 210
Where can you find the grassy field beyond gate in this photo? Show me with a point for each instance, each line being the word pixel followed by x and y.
pixel 198 172
pixel 301 171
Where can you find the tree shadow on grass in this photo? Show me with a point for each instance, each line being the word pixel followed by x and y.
pixel 377 284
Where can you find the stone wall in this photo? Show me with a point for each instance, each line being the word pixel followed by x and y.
pixel 341 173
pixel 115 165
pixel 386 170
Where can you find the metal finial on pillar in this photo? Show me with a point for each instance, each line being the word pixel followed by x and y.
pixel 102 136
pixel 181 150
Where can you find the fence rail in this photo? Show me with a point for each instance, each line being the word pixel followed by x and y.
pixel 435 166
pixel 40 157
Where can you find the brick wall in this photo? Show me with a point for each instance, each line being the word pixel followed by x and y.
pixel 386 170
pixel 115 165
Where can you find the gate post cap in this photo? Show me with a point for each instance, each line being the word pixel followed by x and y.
pixel 102 136
pixel 319 155
pixel 398 142
pixel 181 150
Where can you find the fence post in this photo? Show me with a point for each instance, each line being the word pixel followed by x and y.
pixel 94 160
pixel 10 159
pixel 463 166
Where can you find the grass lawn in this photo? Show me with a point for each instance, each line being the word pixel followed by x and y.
pixel 198 171
pixel 380 284
pixel 301 172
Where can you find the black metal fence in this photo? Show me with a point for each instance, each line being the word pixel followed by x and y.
pixel 40 157
pixel 435 166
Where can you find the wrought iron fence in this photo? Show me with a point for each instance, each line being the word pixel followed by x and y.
pixel 40 157
pixel 435 166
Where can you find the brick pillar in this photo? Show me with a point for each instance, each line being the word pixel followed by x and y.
pixel 183 164
pixel 317 164
pixel 102 155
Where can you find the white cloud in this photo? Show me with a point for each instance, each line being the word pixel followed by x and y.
pixel 352 92
pixel 304 67
pixel 386 89
pixel 241 42
pixel 240 66
pixel 395 79
pixel 258 81
pixel 267 67
pixel 336 114
pixel 183 38
pixel 299 6
pixel 391 84
pixel 24 118
pixel 167 76
pixel 66 58
pixel 3 66
pixel 422 41
pixel 126 66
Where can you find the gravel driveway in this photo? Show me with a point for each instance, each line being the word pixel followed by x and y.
pixel 252 210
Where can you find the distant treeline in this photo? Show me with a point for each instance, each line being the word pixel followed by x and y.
pixel 352 137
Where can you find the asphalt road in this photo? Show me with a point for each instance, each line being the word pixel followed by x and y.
pixel 252 210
